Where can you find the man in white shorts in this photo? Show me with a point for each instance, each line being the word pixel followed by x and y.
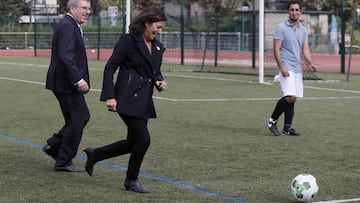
pixel 290 44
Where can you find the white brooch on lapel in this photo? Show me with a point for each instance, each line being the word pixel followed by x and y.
pixel 158 48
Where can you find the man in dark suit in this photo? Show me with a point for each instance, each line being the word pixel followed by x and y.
pixel 68 79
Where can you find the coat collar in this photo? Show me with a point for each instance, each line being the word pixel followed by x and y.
pixel 156 49
pixel 76 25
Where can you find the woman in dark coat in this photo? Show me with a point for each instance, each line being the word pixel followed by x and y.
pixel 139 57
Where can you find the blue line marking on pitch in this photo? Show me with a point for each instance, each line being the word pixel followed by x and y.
pixel 122 168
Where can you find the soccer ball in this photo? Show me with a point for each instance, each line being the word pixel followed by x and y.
pixel 304 187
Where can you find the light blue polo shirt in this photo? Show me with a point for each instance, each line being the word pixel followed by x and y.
pixel 293 39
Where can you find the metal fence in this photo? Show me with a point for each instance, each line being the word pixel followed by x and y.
pixel 202 38
pixel 226 41
pixel 231 49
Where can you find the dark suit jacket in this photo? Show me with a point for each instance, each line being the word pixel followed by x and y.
pixel 68 58
pixel 138 72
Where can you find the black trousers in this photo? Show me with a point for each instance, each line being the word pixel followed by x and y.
pixel 136 143
pixel 76 115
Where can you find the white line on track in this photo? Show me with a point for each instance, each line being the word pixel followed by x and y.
pixel 218 99
pixel 340 201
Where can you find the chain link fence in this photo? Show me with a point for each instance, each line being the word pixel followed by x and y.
pixel 206 40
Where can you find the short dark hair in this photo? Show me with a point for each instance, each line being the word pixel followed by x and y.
pixel 149 15
pixel 294 2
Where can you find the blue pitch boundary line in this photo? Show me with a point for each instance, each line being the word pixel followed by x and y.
pixel 122 168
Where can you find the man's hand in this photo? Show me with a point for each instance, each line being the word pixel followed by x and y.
pixel 313 67
pixel 284 72
pixel 83 86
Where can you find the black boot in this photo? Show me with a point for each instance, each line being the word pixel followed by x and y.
pixel 90 162
pixel 49 150
pixel 135 186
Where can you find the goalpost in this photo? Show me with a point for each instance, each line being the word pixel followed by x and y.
pixel 261 41
pixel 128 13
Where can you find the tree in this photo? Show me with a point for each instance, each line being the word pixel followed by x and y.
pixel 99 5
pixel 96 5
pixel 14 8
pixel 11 10
pixel 62 6
pixel 142 4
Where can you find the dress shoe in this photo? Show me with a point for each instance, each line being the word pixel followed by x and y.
pixel 70 168
pixel 90 162
pixel 49 150
pixel 135 185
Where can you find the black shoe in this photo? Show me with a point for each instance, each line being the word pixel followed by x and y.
pixel 135 185
pixel 70 168
pixel 290 131
pixel 271 124
pixel 90 162
pixel 49 151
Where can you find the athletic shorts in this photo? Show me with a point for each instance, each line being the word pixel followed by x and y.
pixel 292 85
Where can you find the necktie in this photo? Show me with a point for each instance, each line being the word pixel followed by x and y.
pixel 81 31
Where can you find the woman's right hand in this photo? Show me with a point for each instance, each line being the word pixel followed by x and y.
pixel 111 104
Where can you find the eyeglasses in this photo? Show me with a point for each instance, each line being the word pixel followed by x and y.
pixel 294 9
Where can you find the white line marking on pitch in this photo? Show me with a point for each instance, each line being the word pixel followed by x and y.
pixel 209 100
pixel 172 75
pixel 23 64
pixel 332 89
pixel 211 78
pixel 24 81
pixel 249 99
pixel 199 77
pixel 37 65
pixel 340 201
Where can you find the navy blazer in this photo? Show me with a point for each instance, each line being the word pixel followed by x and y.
pixel 68 63
pixel 138 72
